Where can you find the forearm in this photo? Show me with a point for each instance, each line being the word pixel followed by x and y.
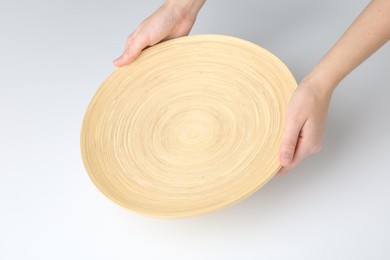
pixel 366 35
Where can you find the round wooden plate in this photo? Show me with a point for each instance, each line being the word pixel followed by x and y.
pixel 193 125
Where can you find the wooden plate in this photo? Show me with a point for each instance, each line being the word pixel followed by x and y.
pixel 193 125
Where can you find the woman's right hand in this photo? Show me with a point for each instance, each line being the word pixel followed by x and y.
pixel 174 18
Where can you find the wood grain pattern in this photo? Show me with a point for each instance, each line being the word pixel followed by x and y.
pixel 193 125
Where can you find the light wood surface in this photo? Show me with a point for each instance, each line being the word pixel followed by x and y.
pixel 193 125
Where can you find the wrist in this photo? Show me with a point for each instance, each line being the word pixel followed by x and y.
pixel 319 83
pixel 185 8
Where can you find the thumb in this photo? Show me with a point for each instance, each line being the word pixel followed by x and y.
pixel 134 46
pixel 289 142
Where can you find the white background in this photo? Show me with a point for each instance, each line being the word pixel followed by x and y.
pixel 55 54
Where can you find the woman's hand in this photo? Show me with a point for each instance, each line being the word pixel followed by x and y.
pixel 305 123
pixel 307 111
pixel 173 19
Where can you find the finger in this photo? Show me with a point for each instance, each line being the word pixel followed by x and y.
pixel 134 45
pixel 302 151
pixel 282 171
pixel 309 142
pixel 289 140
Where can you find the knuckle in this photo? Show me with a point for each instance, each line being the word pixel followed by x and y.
pixel 141 35
pixel 131 37
pixel 128 52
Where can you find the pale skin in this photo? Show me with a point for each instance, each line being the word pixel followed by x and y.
pixel 307 111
